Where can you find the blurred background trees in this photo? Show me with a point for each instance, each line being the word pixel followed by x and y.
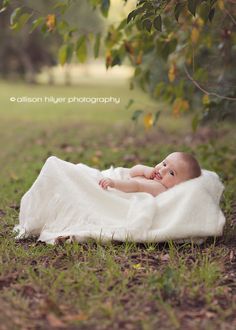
pixel 23 54
pixel 183 52
pixel 25 50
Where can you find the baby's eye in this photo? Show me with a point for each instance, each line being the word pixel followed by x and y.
pixel 164 164
pixel 172 173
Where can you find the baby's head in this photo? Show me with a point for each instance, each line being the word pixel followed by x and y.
pixel 176 168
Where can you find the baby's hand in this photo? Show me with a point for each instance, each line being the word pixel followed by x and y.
pixel 153 174
pixel 106 182
pixel 150 173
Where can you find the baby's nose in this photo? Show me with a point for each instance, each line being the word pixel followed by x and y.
pixel 163 171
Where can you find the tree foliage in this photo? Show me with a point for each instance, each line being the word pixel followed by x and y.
pixel 23 53
pixel 183 51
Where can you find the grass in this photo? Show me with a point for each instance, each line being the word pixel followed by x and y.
pixel 114 285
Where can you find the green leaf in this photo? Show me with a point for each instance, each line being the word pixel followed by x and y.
pixel 97 45
pixel 137 71
pixel 122 24
pixel 65 53
pixel 172 45
pixel 178 9
pixel 105 5
pixel 159 89
pixel 157 115
pixel 204 11
pixel 165 48
pixel 192 6
pixel 94 3
pixel 70 50
pixel 211 14
pixel 136 115
pixel 81 49
pixel 116 59
pixel 134 13
pixel 158 23
pixel 62 55
pixel 147 24
pixel 36 23
pixel 15 14
pixel 212 2
pixel 131 16
pixel 44 29
pixel 147 15
pixel 148 6
pixel 5 3
pixel 63 25
pixel 22 20
pixel 62 6
pixel 195 122
pixel 2 9
pixel 131 101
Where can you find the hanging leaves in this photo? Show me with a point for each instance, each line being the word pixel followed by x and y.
pixel 195 35
pixel 135 13
pixel 211 14
pixel 5 3
pixel 147 24
pixel 97 45
pixel 139 58
pixel 51 22
pixel 195 122
pixel 136 115
pixel 166 46
pixel 156 117
pixel 15 14
pixel 105 5
pixel 108 59
pixel 18 21
pixel 180 105
pixel 221 4
pixel 148 120
pixel 81 49
pixel 178 9
pixel 157 23
pixel 205 100
pixel 62 54
pixel 172 72
pixel 36 23
pixel 192 6
pixel 131 101
pixel 65 53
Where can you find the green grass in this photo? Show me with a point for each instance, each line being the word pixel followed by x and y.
pixel 113 285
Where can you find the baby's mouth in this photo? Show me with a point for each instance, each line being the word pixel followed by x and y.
pixel 158 176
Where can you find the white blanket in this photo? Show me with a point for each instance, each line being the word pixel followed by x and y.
pixel 66 200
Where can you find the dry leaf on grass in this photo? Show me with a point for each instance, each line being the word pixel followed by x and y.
pixel 75 317
pixel 54 321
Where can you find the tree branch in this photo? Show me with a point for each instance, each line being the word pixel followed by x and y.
pixel 204 90
pixel 231 17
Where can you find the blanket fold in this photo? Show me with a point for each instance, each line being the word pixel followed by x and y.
pixel 66 200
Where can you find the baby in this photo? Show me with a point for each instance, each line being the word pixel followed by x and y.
pixel 175 168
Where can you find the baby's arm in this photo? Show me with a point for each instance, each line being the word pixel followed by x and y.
pixel 142 170
pixel 152 187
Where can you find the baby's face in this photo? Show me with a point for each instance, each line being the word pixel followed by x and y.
pixel 172 170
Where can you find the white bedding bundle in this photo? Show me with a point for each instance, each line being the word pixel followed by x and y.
pixel 66 200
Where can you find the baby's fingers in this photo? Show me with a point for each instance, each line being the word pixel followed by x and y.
pixel 103 183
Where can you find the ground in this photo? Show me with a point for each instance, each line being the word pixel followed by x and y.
pixel 117 285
